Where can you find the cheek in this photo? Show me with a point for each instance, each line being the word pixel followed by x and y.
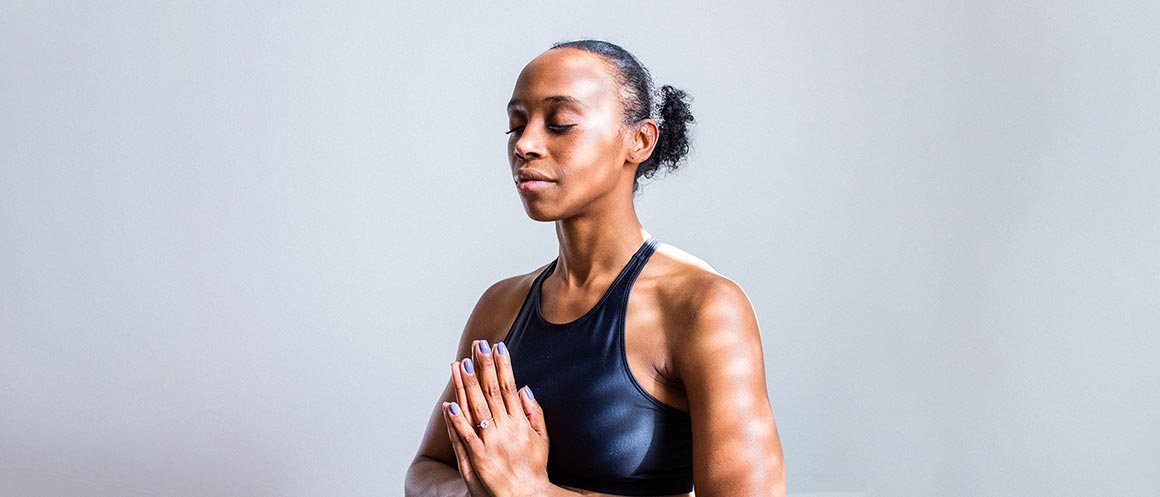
pixel 591 151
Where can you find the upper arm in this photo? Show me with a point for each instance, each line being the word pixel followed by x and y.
pixel 489 320
pixel 736 450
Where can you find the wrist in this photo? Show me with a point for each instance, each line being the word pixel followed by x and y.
pixel 550 490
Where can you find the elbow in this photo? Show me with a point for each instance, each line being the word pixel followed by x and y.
pixel 431 477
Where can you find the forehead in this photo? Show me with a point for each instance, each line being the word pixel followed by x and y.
pixel 567 72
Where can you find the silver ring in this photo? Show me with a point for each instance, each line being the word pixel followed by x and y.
pixel 484 424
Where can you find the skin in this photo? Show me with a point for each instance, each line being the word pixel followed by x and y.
pixel 691 335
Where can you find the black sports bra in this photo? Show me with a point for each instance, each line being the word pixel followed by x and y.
pixel 607 434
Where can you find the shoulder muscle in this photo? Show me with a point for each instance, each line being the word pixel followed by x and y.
pixel 496 309
pixel 719 359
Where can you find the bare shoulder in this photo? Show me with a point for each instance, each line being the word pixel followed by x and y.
pixel 720 364
pixel 707 316
pixel 693 292
pixel 497 307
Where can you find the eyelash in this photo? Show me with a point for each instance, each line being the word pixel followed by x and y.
pixel 554 129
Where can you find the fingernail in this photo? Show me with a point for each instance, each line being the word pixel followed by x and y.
pixel 501 348
pixel 528 391
pixel 468 366
pixel 454 409
pixel 484 347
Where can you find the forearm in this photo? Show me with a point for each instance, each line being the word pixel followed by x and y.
pixel 433 478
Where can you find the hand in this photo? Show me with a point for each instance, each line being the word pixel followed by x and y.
pixel 497 431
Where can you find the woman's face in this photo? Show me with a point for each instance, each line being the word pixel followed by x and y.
pixel 568 145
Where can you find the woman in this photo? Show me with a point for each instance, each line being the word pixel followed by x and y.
pixel 642 366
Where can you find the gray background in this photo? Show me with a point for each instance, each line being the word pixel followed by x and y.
pixel 238 241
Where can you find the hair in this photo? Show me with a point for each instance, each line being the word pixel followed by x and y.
pixel 641 100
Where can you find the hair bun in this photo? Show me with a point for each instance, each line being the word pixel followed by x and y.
pixel 674 137
pixel 674 140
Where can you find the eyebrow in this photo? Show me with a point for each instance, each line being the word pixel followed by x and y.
pixel 554 99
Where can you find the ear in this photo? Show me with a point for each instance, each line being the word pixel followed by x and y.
pixel 643 136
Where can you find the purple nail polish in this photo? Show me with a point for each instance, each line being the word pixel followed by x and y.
pixel 484 347
pixel 468 366
pixel 501 348
pixel 454 409
pixel 528 390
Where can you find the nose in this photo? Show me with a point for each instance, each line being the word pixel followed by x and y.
pixel 529 144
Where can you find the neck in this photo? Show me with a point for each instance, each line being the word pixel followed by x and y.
pixel 596 247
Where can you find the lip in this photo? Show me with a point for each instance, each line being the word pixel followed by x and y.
pixel 531 180
pixel 531 175
pixel 533 185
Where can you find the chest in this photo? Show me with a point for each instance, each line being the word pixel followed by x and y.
pixel 604 426
pixel 648 333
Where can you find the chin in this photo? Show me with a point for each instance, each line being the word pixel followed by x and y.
pixel 541 215
pixel 542 211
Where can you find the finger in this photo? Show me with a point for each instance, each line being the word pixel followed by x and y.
pixel 461 389
pixel 488 381
pixel 535 414
pixel 463 429
pixel 476 404
pixel 507 381
pixel 457 444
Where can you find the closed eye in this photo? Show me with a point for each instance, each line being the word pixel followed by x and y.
pixel 555 128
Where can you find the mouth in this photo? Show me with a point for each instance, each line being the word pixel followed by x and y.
pixel 531 180
pixel 533 185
